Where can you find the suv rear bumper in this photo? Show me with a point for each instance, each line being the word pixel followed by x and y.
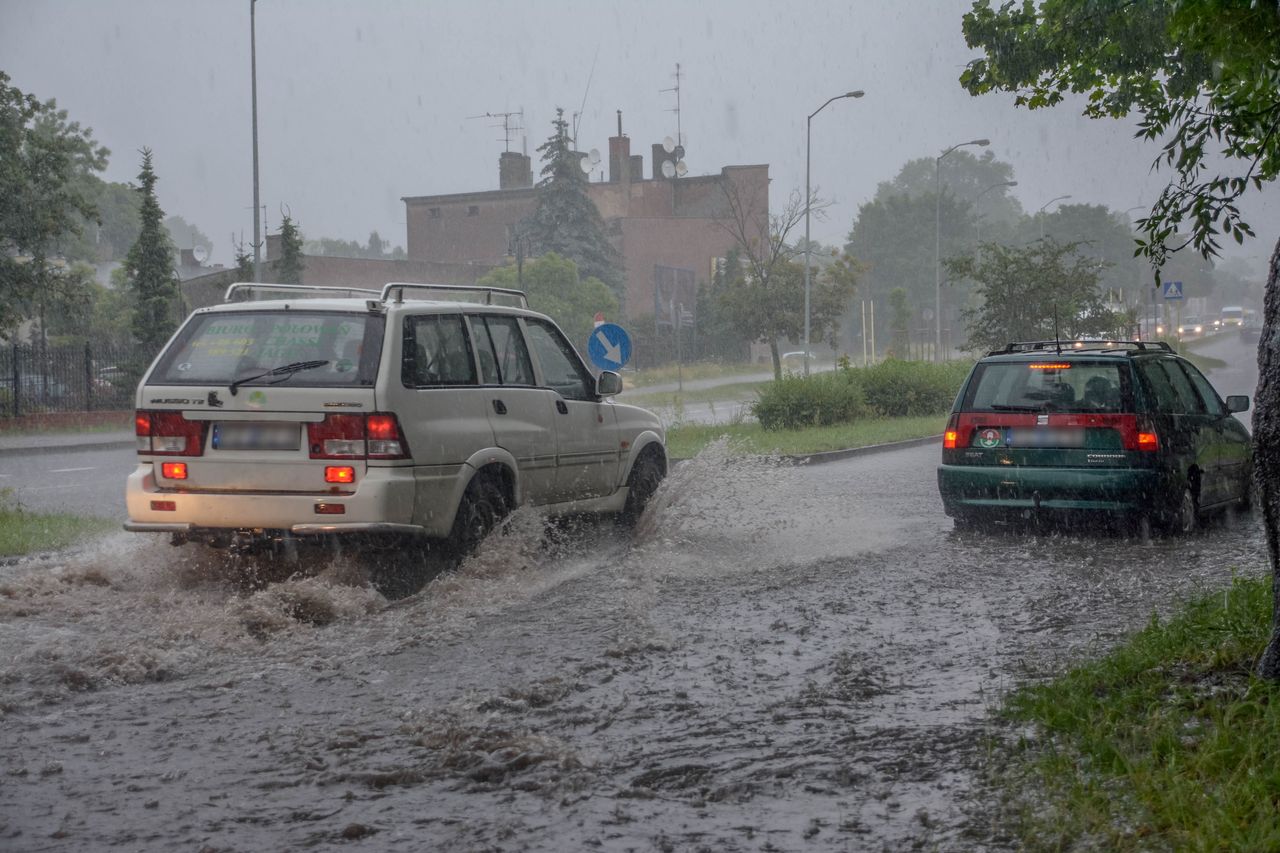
pixel 978 490
pixel 382 503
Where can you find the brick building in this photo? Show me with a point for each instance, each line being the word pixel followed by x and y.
pixel 675 222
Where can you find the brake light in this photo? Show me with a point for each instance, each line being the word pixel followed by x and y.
pixel 339 474
pixel 174 470
pixel 373 436
pixel 1138 433
pixel 168 434
pixel 951 435
pixel 1049 365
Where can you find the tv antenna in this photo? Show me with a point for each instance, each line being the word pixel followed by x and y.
pixel 577 115
pixel 512 123
pixel 675 167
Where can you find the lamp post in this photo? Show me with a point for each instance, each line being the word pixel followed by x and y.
pixel 1040 212
pixel 808 130
pixel 937 243
pixel 977 218
pixel 253 75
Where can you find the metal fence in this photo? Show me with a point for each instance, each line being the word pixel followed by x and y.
pixel 35 378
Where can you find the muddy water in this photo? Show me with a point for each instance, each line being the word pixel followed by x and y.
pixel 781 658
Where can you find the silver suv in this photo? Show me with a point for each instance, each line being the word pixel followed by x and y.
pixel 325 413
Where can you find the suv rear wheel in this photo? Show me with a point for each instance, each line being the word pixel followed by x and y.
pixel 482 507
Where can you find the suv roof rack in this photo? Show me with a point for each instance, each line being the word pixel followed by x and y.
pixel 486 294
pixel 250 287
pixel 1081 345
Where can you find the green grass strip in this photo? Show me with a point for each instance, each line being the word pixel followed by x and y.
pixel 1167 743
pixel 685 441
pixel 31 532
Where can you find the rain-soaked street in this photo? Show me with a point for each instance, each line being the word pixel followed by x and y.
pixel 783 658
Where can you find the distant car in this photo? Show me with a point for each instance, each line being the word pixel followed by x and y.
pixel 797 356
pixel 1190 327
pixel 1129 430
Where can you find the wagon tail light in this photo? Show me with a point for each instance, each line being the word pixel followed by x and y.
pixel 1138 433
pixel 951 434
pixel 373 436
pixel 168 434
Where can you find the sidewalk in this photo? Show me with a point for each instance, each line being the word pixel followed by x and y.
pixel 64 442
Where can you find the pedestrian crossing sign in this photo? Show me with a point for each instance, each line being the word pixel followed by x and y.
pixel 1173 290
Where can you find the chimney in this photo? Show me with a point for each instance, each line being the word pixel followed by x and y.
pixel 619 156
pixel 515 171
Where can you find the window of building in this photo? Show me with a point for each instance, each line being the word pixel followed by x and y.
pixel 433 212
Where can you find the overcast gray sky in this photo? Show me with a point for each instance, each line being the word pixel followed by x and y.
pixel 361 103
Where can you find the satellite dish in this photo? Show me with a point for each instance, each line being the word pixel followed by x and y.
pixel 200 253
pixel 681 169
pixel 668 144
pixel 594 156
pixel 668 169
pixel 586 164
pixel 678 153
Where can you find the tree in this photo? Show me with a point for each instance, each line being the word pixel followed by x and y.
pixel 149 270
pixel 244 263
pixel 1033 293
pixel 1204 77
pixel 764 295
pixel 184 235
pixel 44 159
pixel 565 220
pixel 899 323
pixel 289 268
pixel 117 226
pixel 555 288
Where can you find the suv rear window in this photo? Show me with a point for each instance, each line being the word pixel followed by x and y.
pixel 1049 386
pixel 219 348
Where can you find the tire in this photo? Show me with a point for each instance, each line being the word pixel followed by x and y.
pixel 646 475
pixel 480 510
pixel 1185 517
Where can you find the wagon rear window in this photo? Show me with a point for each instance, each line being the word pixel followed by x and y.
pixel 1075 386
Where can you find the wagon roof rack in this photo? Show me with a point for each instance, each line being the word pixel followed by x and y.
pixel 484 295
pixel 1063 346
pixel 246 289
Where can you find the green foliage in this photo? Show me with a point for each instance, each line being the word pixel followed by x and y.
pixel 118 222
pixel 898 389
pixel 1204 78
pixel 44 196
pixel 23 532
pixel 822 399
pixel 184 235
pixel 688 440
pixel 375 248
pixel 899 323
pixel 244 263
pixel 1167 743
pixel 289 266
pixel 554 288
pixel 565 220
pixel 149 269
pixel 1033 293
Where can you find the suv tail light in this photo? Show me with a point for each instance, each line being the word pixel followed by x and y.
pixel 168 434
pixel 373 436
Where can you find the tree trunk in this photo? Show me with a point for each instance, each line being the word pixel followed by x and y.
pixel 777 360
pixel 1266 452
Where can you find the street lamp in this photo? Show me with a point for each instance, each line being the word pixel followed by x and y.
pixel 1040 212
pixel 253 75
pixel 937 243
pixel 808 130
pixel 977 218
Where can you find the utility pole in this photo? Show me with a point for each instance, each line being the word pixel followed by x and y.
pixel 253 78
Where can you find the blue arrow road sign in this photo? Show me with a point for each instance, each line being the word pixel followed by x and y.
pixel 609 346
pixel 1173 290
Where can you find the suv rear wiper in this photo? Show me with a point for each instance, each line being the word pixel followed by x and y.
pixel 282 370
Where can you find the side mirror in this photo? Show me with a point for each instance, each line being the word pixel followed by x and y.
pixel 609 383
pixel 1238 403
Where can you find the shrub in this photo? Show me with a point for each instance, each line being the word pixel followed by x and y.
pixel 796 402
pixel 908 388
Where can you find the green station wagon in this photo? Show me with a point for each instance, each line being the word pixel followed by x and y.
pixel 1079 429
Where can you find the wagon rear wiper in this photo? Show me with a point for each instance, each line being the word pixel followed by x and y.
pixel 996 407
pixel 282 370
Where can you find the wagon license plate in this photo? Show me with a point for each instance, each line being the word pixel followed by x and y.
pixel 255 436
pixel 1045 437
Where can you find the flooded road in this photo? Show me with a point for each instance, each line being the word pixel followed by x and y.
pixel 781 658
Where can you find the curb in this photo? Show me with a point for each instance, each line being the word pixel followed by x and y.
pixel 847 453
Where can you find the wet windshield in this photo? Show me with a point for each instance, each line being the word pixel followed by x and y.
pixel 251 348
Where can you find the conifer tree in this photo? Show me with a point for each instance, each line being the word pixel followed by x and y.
pixel 244 263
pixel 150 271
pixel 565 220
pixel 289 267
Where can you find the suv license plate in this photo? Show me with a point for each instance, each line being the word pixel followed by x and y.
pixel 1045 437
pixel 255 436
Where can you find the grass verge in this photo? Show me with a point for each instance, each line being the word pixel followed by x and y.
pixel 732 393
pixel 687 440
pixel 24 532
pixel 690 372
pixel 1167 743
